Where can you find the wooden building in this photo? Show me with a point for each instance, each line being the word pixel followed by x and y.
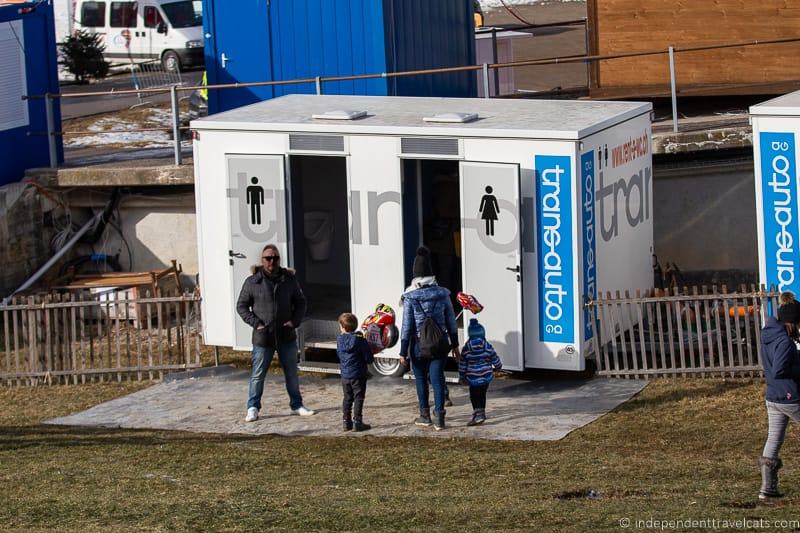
pixel 625 26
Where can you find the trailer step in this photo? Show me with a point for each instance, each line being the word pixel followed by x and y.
pixel 319 367
pixel 449 377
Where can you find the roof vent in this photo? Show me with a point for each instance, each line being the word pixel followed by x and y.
pixel 340 114
pixel 457 118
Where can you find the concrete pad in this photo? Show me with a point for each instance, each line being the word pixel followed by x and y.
pixel 213 401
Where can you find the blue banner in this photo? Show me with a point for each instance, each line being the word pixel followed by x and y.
pixel 779 196
pixel 589 247
pixel 554 236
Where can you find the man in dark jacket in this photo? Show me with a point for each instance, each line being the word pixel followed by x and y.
pixel 272 303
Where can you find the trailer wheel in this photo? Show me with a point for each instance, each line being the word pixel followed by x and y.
pixel 171 61
pixel 385 366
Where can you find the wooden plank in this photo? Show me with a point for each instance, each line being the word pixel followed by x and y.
pixel 199 329
pixel 670 335
pixel 686 310
pixel 607 321
pixel 159 312
pixel 627 316
pixel 117 315
pixel 7 338
pixel 614 329
pixel 709 328
pixel 679 328
pixel 82 315
pixel 759 319
pixel 699 327
pixel 652 331
pixel 137 325
pixel 738 331
pixel 593 314
pixel 16 320
pixel 748 338
pixel 48 347
pixel 661 350
pixel 727 327
pixel 149 336
pixel 640 323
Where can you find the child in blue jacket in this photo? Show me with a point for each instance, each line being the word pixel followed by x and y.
pixel 477 365
pixel 354 356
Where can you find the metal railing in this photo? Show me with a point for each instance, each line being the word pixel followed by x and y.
pixel 319 83
pixel 153 75
pixel 699 332
pixel 72 338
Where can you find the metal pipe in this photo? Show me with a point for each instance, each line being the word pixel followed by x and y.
pixel 495 60
pixel 486 80
pixel 318 83
pixel 672 89
pixel 51 127
pixel 176 125
pixel 53 260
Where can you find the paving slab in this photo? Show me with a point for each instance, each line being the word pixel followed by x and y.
pixel 213 401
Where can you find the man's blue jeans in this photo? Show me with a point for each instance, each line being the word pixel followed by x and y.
pixel 425 371
pixel 262 358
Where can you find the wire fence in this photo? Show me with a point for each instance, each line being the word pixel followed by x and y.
pixel 318 82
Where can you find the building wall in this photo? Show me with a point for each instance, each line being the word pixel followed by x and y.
pixel 621 26
pixel 705 216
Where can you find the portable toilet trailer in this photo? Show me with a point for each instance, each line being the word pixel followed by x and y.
pixel 283 40
pixel 776 126
pixel 531 206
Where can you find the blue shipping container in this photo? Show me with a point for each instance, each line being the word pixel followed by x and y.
pixel 28 66
pixel 271 40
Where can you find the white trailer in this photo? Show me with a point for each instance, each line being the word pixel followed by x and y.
pixel 347 187
pixel 776 126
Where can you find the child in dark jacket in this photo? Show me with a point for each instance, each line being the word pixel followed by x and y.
pixel 354 356
pixel 477 365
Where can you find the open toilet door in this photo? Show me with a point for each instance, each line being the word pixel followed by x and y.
pixel 491 254
pixel 257 211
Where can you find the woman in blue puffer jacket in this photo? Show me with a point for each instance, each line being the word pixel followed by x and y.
pixel 781 364
pixel 424 298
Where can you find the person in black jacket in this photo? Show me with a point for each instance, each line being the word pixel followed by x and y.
pixel 781 364
pixel 272 303
pixel 354 356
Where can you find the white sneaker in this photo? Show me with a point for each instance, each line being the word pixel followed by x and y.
pixel 303 411
pixel 252 415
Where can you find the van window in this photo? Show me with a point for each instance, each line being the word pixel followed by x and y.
pixel 93 14
pixel 184 14
pixel 123 14
pixel 152 18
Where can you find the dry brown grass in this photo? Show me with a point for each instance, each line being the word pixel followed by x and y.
pixel 679 450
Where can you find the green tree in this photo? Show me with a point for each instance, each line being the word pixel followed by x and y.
pixel 82 56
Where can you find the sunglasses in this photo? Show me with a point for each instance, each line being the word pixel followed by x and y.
pixel 271 257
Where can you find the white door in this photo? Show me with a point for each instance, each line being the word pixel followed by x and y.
pixel 257 211
pixel 491 256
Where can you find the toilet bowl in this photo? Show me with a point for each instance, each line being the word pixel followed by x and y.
pixel 318 232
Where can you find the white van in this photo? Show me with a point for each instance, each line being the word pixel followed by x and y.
pixel 169 30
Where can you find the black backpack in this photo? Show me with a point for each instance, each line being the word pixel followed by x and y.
pixel 433 343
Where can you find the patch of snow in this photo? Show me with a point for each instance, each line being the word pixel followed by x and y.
pixel 124 132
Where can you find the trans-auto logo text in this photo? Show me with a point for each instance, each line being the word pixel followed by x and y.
pixel 554 236
pixel 779 191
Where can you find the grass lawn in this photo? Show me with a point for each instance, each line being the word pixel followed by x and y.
pixel 679 450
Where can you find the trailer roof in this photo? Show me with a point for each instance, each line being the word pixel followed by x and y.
pixel 788 105
pixel 392 115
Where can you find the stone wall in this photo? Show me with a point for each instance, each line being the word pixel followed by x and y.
pixel 25 233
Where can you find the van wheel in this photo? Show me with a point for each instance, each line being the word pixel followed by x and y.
pixel 171 61
pixel 385 366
